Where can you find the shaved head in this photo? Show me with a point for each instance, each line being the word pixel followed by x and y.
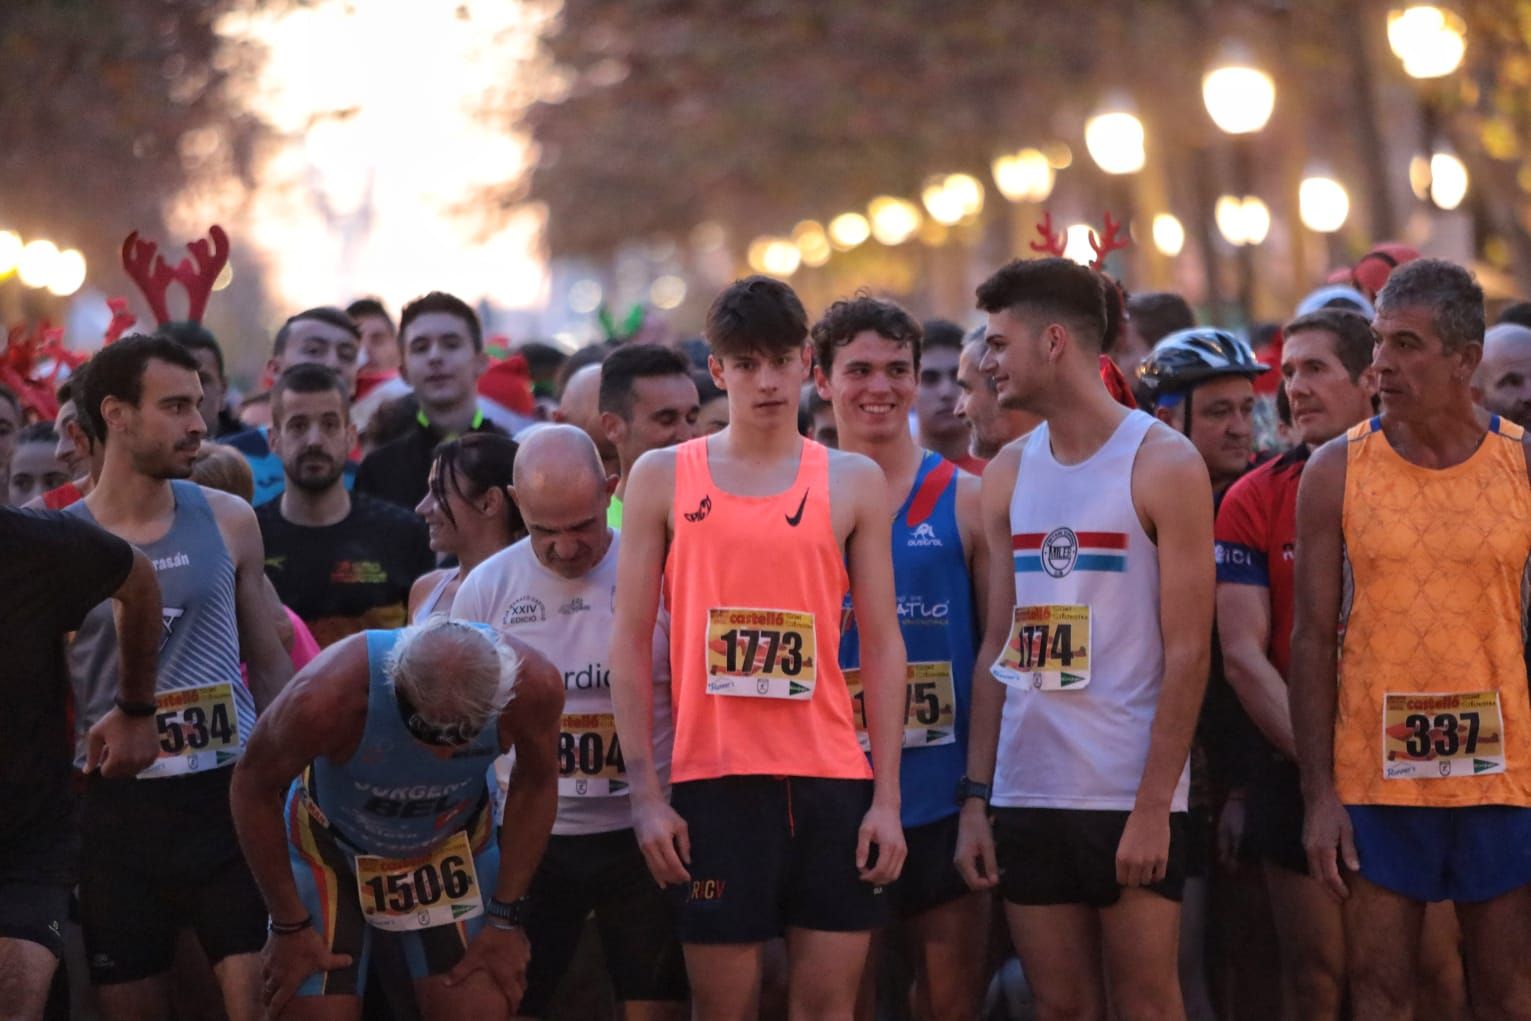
pixel 1502 382
pixel 580 405
pixel 563 490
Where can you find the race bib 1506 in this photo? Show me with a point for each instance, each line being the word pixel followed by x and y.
pixel 760 653
pixel 403 895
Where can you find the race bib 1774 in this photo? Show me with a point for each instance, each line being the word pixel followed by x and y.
pixel 1048 649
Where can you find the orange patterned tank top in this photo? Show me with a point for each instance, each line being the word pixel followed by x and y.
pixel 1433 706
pixel 755 587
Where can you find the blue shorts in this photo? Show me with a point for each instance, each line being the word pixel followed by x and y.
pixel 1466 854
pixel 324 870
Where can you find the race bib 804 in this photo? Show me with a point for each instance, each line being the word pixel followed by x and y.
pixel 590 757
pixel 760 653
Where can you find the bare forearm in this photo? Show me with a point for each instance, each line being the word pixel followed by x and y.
pixel 531 805
pixel 263 839
pixel 1169 742
pixel 988 706
pixel 632 701
pixel 1313 683
pixel 1263 695
pixel 884 672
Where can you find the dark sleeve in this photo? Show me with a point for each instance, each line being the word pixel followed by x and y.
pixel 366 475
pixel 88 562
pixel 422 558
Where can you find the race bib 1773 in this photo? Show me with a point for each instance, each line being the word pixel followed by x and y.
pixel 760 653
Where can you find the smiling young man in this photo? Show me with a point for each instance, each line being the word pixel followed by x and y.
pixel 444 357
pixel 1093 663
pixel 867 361
pixel 1408 678
pixel 777 824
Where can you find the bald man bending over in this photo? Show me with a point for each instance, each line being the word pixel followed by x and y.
pixel 1502 382
pixel 555 591
pixel 580 406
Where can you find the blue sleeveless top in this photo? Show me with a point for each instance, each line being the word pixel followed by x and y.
pixel 935 616
pixel 395 797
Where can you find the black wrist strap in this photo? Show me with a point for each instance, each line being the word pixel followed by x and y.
pixel 507 914
pixel 140 709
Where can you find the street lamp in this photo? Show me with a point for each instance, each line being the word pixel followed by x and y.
pixel 35 267
pixel 1239 98
pixel 893 220
pixel 848 230
pixel 1025 176
pixel 1076 244
pixel 1242 221
pixel 1169 234
pixel 68 273
pixel 1323 204
pixel 776 256
pixel 942 205
pixel 1448 180
pixel 812 243
pixel 1115 141
pixel 1430 40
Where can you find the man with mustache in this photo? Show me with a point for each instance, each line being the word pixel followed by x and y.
pixel 343 561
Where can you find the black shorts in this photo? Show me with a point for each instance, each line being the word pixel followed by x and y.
pixel 930 877
pixel 37 876
pixel 1068 856
pixel 1275 816
pixel 604 873
pixel 159 855
pixel 768 853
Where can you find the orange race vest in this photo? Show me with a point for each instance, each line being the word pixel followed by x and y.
pixel 1433 706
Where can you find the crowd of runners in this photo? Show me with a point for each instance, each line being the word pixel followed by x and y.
pixel 1089 662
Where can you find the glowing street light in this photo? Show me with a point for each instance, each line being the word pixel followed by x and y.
pixel 1323 204
pixel 1430 40
pixel 584 297
pixel 1169 234
pixel 1025 176
pixel 1115 142
pixel 893 220
pixel 68 273
pixel 942 205
pixel 967 192
pixel 1239 98
pixel 667 292
pixel 1242 221
pixel 10 252
pixel 35 267
pixel 776 256
pixel 1076 244
pixel 848 230
pixel 812 243
pixel 1448 180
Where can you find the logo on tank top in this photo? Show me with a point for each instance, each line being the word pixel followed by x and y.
pixel 702 510
pixel 166 563
pixel 575 605
pixel 924 535
pixel 168 616
pixel 793 519
pixel 1060 551
pixel 524 610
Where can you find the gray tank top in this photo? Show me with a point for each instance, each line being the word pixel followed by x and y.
pixel 206 711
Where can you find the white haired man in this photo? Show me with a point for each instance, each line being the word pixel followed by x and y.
pixel 381 748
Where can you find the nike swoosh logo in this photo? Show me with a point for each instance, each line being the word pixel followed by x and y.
pixel 793 519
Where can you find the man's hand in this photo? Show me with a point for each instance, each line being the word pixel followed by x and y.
pixel 121 746
pixel 880 827
pixel 665 840
pixel 1143 856
pixel 290 958
pixel 502 954
pixel 975 847
pixel 1232 830
pixel 1325 831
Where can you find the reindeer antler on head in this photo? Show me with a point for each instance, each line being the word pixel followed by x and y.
pixel 196 274
pixel 1051 243
pixel 1113 241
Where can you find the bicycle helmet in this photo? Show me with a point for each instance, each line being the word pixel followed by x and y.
pixel 1188 358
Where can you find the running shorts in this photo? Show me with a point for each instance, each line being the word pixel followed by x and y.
pixel 769 853
pixel 1068 856
pixel 930 877
pixel 1458 854
pixel 604 873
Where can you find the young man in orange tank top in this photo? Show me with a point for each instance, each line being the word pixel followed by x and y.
pixel 1408 680
pixel 777 825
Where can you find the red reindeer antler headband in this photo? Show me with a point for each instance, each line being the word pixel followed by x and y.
pixel 1054 243
pixel 196 274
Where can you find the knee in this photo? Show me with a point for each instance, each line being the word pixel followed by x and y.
pixel 1148 1000
pixel 1378 991
pixel 1078 1004
pixel 1318 984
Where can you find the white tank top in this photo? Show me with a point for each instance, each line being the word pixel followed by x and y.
pixel 1079 740
pixel 569 622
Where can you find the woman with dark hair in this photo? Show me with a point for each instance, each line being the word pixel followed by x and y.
pixel 470 514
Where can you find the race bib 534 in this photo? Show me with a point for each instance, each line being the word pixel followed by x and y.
pixel 198 730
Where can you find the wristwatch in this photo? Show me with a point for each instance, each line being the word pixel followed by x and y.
pixel 972 789
pixel 507 916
